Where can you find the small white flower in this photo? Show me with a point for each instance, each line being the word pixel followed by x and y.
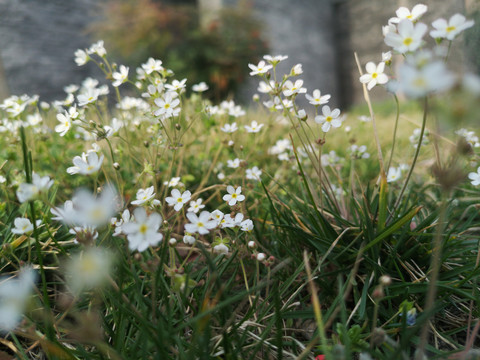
pixel 121 76
pixel 143 231
pixel 201 87
pixel 88 163
pixel 386 56
pixel 230 128
pixel 408 38
pixel 235 163
pixel 254 127
pixel 201 224
pixel 152 65
pixel 475 177
pixel 173 182
pixel 297 70
pixel 88 97
pixel 246 225
pixel 88 269
pixel 229 222
pixel 145 196
pixel 98 49
pixel 195 206
pixel 188 239
pixel 261 68
pixel 217 216
pixel 234 195
pixel 317 99
pixel 176 86
pixel 177 200
pixel 329 118
pixel 81 57
pixel 290 88
pixel 167 105
pixel 404 13
pixel 261 257
pixel 14 293
pixel 65 123
pixel 24 226
pixel 375 75
pixel 275 59
pixel 253 173
pixel 449 30
pixel 394 174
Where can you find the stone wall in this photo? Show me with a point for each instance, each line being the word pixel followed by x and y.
pixel 37 43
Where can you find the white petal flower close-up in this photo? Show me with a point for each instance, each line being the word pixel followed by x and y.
pixel 375 75
pixel 143 231
pixel 450 29
pixel 177 199
pixel 329 118
pixel 475 177
pixel 233 195
pixel 408 38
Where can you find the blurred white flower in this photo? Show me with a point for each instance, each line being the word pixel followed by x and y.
pixel 142 232
pixel 394 174
pixel 24 226
pixel 254 127
pixel 200 87
pixel 408 38
pixel 121 76
pixel 14 293
pixel 449 30
pixel 253 173
pixel 196 206
pixel 146 196
pixel 475 177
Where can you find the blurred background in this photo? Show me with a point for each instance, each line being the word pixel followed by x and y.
pixel 209 40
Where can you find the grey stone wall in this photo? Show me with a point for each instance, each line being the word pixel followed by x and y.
pixel 303 30
pixel 37 42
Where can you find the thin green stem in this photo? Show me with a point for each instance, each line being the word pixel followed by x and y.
pixel 415 158
pixel 394 132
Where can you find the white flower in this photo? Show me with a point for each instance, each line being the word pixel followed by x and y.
pixel 375 75
pixel 274 60
pixel 39 185
pixel 65 123
pixel 188 239
pixel 217 216
pixel 81 57
pixel 449 30
pixel 403 13
pixel 88 97
pixel 394 174
pixel 201 87
pixel 221 249
pixel 261 68
pixel 88 269
pixel 152 65
pixel 121 76
pixel 408 38
pixel 85 209
pixel 253 173
pixel 176 86
pixel 195 206
pixel 386 56
pixel 201 224
pixel 3 179
pixel 475 177
pixel 236 111
pixel 14 293
pixel 230 128
pixel 359 152
pixel 317 99
pixel 297 70
pixel 246 225
pixel 289 88
pixel 143 231
pixel 329 118
pixel 167 105
pixel 235 163
pixel 177 200
pixel 254 127
pixel 88 163
pixel 415 137
pixel 175 181
pixel 234 195
pixel 265 88
pixel 229 222
pixel 115 126
pixel 417 82
pixel 144 196
pixel 98 49
pixel 24 226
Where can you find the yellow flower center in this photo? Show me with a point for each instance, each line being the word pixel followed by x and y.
pixel 143 229
pixel 328 119
pixel 167 106
pixel 200 224
pixel 374 75
pixel 450 28
pixel 234 195
pixel 419 82
pixel 179 200
pixel 407 41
